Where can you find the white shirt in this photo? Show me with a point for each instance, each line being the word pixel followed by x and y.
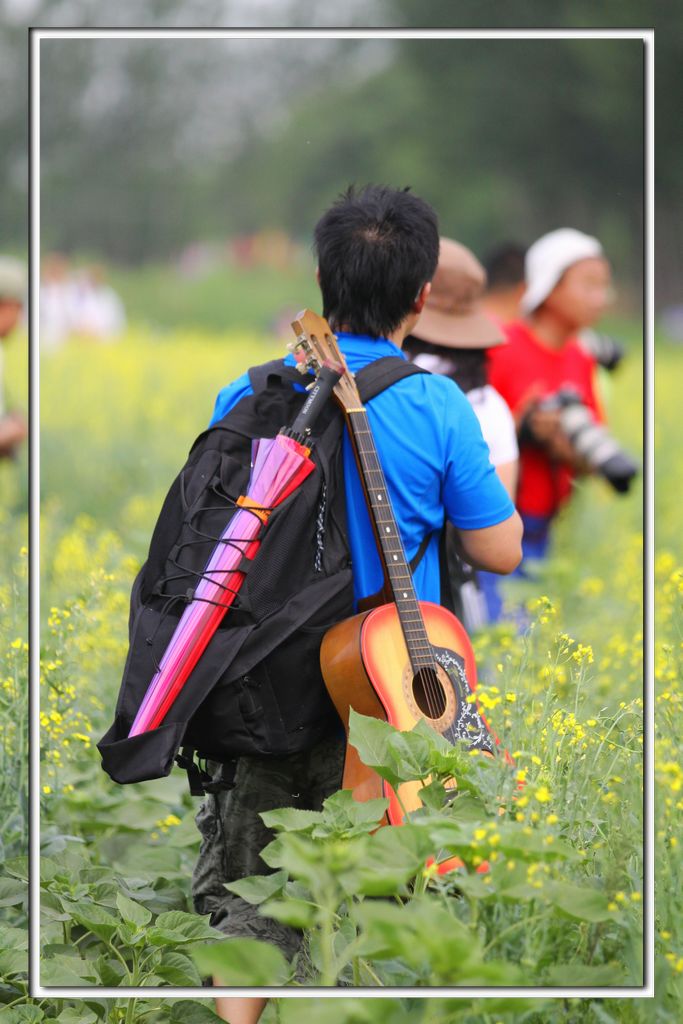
pixel 496 422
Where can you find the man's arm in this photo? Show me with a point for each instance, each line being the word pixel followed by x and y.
pixel 493 548
pixel 487 527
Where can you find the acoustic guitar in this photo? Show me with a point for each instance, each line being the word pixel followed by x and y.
pixel 404 660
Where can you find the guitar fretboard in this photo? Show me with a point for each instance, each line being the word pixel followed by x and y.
pixel 397 568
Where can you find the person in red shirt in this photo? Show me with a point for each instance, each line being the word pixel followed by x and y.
pixel 568 287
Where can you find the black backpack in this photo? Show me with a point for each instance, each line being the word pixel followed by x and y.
pixel 258 688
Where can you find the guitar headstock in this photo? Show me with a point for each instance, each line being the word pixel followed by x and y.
pixel 316 345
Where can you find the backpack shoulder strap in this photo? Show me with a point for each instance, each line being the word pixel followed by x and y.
pixel 382 373
pixel 371 379
pixel 276 369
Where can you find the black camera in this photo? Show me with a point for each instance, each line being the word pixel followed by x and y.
pixel 604 349
pixel 590 439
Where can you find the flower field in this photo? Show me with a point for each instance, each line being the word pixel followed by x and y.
pixel 558 899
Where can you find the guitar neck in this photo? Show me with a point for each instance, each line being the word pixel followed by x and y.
pixel 396 568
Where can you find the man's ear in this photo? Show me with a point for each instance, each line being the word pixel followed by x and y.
pixel 422 297
pixel 317 275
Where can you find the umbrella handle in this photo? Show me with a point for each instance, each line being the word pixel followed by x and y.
pixel 328 376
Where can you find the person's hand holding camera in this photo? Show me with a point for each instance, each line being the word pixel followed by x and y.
pixel 540 424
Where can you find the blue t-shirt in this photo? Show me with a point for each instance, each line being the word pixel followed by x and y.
pixel 435 461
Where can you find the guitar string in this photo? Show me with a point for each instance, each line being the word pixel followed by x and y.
pixel 426 673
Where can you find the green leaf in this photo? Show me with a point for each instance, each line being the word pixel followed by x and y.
pixel 52 907
pixel 12 962
pixel 177 969
pixel 13 938
pixel 131 934
pixel 154 862
pixel 291 819
pixel 243 962
pixel 370 737
pixel 435 740
pixel 299 856
pixel 296 913
pixel 191 1011
pixel 133 913
pixel 344 817
pixel 434 796
pixel 27 1014
pixel 257 888
pixel 588 975
pixel 96 919
pixel 394 855
pixel 110 972
pixel 67 971
pixel 175 927
pixel 12 892
pixel 422 933
pixel 17 867
pixel 578 901
pixel 77 1015
pixel 410 756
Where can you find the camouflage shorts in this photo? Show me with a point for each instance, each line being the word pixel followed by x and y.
pixel 233 834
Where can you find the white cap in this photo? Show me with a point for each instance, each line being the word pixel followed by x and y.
pixel 548 258
pixel 12 279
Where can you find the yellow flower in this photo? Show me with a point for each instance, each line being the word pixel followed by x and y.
pixel 543 795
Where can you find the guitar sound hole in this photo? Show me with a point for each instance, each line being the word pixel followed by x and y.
pixel 429 693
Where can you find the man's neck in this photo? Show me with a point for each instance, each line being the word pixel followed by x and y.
pixel 397 337
pixel 550 329
pixel 504 306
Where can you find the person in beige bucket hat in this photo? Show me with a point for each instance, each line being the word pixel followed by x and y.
pixel 452 338
pixel 453 315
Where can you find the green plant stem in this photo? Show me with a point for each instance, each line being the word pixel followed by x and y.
pixel 329 975
pixel 130 1009
pixel 116 953
pixel 366 966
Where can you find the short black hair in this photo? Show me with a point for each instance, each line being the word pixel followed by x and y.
pixel 376 247
pixel 504 266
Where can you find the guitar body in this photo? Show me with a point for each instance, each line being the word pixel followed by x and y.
pixel 365 665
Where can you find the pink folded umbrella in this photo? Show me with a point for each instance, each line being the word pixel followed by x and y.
pixel 279 465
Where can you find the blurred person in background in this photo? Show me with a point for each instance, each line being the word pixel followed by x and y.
pixel 504 266
pixel 544 370
pixel 57 302
pixel 13 428
pixel 505 285
pixel 96 310
pixel 452 337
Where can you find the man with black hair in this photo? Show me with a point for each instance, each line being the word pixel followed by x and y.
pixel 504 268
pixel 377 251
